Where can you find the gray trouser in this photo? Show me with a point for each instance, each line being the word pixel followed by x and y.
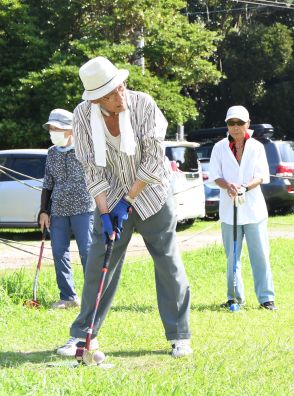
pixel 173 291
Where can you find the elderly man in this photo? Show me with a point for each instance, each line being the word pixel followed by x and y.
pixel 119 136
pixel 238 165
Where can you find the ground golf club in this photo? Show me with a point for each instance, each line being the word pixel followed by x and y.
pixel 83 353
pixel 235 306
pixel 34 303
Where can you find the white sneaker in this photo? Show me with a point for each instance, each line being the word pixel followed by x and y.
pixel 70 348
pixel 181 348
pixel 64 304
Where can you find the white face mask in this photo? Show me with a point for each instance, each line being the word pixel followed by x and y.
pixel 58 139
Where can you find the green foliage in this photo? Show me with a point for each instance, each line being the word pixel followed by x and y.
pixel 200 57
pixel 257 53
pixel 64 35
pixel 176 107
pixel 255 58
pixel 22 48
pixel 254 61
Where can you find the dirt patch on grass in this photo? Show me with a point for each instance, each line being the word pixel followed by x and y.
pixel 20 253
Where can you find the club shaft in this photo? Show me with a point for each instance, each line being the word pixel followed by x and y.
pixel 39 264
pixel 235 250
pixel 100 290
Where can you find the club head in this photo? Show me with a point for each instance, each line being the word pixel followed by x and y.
pixel 234 307
pixel 83 356
pixel 32 304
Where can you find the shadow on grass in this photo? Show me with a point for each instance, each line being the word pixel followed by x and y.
pixel 150 308
pixel 134 308
pixel 206 307
pixel 21 235
pixel 136 353
pixel 14 359
pixel 218 308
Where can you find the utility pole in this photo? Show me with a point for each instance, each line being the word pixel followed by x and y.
pixel 139 59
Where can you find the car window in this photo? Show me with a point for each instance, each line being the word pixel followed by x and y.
pixel 3 162
pixel 185 157
pixel 33 167
pixel 205 166
pixel 272 154
pixel 204 151
pixel 287 152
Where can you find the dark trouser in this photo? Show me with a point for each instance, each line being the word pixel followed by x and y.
pixel 173 291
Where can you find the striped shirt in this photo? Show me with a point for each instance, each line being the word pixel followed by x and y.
pixel 149 163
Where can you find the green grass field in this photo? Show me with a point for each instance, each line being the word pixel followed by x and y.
pixel 245 353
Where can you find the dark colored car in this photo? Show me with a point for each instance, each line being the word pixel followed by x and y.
pixel 279 193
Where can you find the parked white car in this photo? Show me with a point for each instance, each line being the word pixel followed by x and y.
pixel 20 200
pixel 188 184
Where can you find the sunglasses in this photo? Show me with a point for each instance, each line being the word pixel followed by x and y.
pixel 232 123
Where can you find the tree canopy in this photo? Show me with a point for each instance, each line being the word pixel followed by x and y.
pixel 199 58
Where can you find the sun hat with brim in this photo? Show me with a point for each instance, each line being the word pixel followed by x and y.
pixel 239 112
pixel 99 77
pixel 59 118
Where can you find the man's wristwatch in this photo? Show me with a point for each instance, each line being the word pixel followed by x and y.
pixel 129 199
pixel 245 186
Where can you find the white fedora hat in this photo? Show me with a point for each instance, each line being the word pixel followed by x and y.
pixel 99 77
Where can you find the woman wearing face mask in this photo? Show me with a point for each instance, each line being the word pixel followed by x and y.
pixel 66 206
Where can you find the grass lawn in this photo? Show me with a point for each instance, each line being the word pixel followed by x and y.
pixel 245 353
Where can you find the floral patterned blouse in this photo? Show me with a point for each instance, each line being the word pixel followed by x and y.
pixel 64 175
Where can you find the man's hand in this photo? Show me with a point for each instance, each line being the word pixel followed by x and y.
pixel 107 228
pixel 120 213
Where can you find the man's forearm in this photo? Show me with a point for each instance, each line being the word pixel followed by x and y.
pixel 101 202
pixel 101 199
pixel 137 187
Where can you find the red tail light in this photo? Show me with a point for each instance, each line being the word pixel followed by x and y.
pixel 284 171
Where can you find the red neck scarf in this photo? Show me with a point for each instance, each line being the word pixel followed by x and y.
pixel 233 144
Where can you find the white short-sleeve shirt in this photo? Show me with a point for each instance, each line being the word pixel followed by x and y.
pixel 223 164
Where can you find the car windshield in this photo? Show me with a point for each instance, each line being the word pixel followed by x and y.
pixel 185 157
pixel 33 167
pixel 287 152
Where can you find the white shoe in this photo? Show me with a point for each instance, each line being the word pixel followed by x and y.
pixel 70 348
pixel 64 304
pixel 181 348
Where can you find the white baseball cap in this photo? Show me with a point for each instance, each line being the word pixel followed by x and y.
pixel 237 112
pixel 99 77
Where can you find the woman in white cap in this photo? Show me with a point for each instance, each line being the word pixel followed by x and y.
pixel 119 135
pixel 66 205
pixel 238 165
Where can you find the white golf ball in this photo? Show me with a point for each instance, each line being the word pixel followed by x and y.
pixel 98 357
